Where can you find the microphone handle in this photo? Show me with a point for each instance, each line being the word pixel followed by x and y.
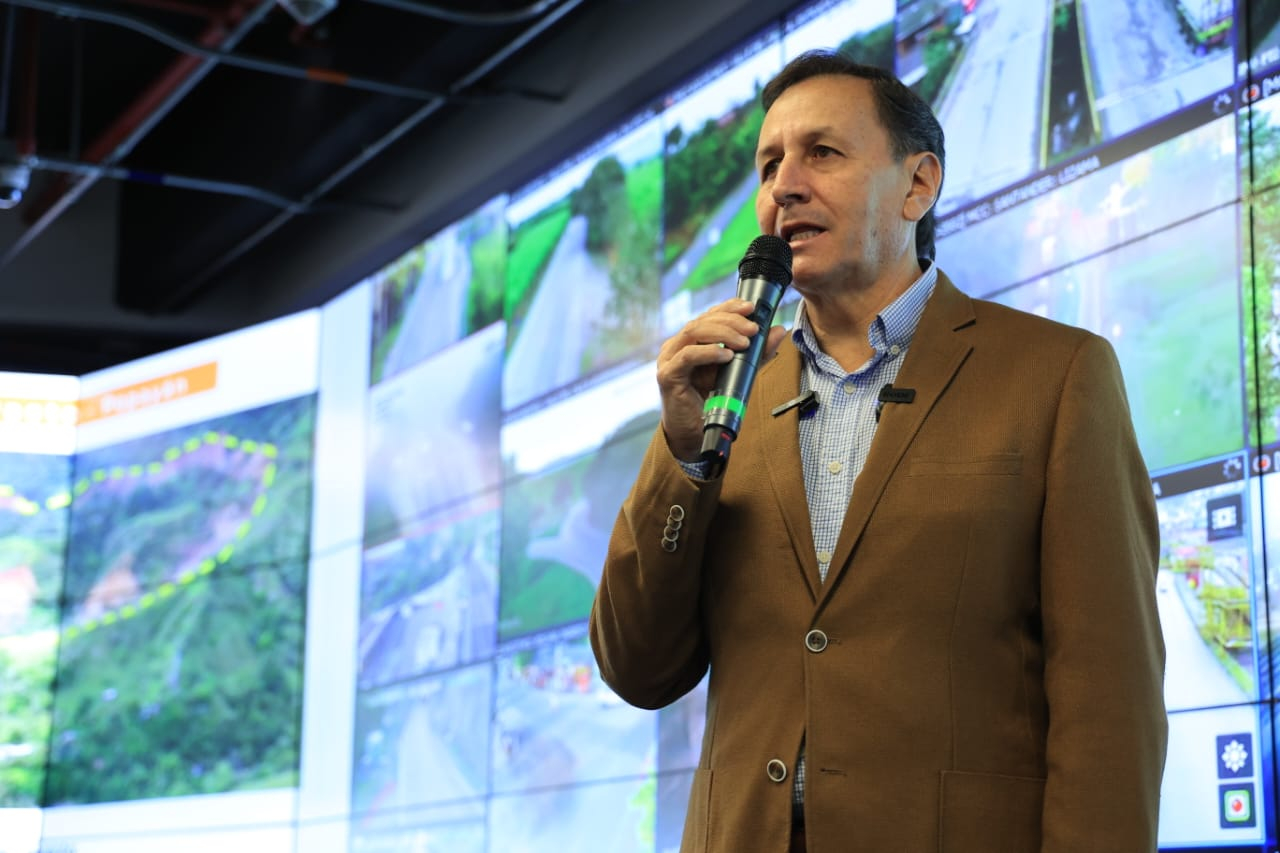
pixel 723 411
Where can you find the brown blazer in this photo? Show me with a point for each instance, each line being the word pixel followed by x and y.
pixel 982 670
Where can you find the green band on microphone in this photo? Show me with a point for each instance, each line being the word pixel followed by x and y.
pixel 733 404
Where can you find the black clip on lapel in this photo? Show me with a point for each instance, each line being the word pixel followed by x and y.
pixel 889 394
pixel 807 403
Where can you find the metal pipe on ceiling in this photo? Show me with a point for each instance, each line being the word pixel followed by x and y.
pixel 182 294
pixel 496 19
pixel 146 112
pixel 188 182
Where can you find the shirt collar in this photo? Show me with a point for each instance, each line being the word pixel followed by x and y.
pixel 895 324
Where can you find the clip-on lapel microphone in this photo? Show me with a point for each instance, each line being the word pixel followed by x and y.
pixel 889 394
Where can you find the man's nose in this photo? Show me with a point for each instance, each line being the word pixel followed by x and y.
pixel 790 184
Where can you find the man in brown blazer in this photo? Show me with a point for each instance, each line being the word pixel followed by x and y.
pixel 930 624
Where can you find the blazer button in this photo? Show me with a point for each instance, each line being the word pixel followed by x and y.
pixel 815 641
pixel 776 769
pixel 671 533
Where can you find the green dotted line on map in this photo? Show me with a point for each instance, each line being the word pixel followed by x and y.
pixel 17 503
pixel 102 475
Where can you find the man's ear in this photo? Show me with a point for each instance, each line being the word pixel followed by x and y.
pixel 925 171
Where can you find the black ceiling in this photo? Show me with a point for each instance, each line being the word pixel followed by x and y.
pixel 199 165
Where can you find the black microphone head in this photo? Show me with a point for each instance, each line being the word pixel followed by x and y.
pixel 767 257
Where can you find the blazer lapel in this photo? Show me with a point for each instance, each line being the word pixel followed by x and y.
pixel 776 384
pixel 935 355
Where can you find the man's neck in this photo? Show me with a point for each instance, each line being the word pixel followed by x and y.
pixel 841 321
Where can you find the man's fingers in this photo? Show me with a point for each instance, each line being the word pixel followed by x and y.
pixel 717 326
pixel 689 361
pixel 678 365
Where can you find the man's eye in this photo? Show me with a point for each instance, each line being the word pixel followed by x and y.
pixel 821 151
pixel 767 170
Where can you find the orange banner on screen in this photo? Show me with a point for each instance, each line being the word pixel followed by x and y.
pixel 153 392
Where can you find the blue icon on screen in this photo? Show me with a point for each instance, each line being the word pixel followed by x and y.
pixel 1235 756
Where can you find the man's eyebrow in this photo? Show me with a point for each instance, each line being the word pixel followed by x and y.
pixel 808 137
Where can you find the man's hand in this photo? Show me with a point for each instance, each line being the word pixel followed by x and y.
pixel 689 361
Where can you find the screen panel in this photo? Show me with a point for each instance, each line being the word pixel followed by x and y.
pixel 231 833
pixel 33 535
pixel 1026 234
pixel 557 724
pixel 616 816
pixel 582 290
pixel 1216 779
pixel 439 421
pixel 37 438
pixel 178 696
pixel 460 826
pixel 440 291
pixel 1087 74
pixel 863 30
pixel 422 742
pixel 1148 298
pixel 194 691
pixel 710 129
pixel 429 601
pixel 228 495
pixel 567 470
pixel 1258 46
pixel 1206 587
pixel 1147 60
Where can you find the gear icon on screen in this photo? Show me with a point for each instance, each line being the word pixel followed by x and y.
pixel 1234 756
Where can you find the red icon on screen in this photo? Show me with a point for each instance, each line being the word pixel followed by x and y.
pixel 1237 806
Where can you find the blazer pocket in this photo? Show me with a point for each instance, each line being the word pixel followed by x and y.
pixel 696 820
pixel 1006 464
pixel 984 812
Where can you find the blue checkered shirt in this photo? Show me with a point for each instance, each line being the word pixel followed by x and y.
pixel 835 438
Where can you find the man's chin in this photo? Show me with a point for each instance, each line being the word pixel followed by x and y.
pixel 807 273
pixel 809 285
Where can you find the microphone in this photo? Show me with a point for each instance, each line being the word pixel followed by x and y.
pixel 889 394
pixel 807 403
pixel 763 274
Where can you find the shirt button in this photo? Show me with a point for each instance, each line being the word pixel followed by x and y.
pixel 895 349
pixel 776 769
pixel 815 641
pixel 847 386
pixel 824 556
pixel 834 467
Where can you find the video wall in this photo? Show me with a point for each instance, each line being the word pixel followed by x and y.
pixel 322 584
